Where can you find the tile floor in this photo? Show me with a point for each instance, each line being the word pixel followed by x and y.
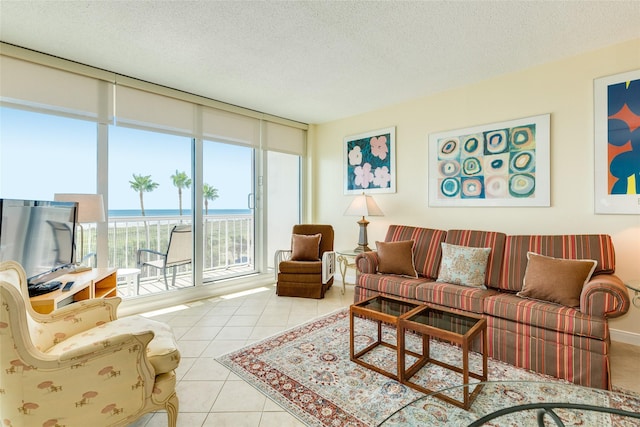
pixel 210 395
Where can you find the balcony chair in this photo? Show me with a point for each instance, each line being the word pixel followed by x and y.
pixel 80 364
pixel 178 253
pixel 307 269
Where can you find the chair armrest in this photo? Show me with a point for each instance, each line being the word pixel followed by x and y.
pixel 76 318
pixel 150 251
pixel 136 342
pixel 281 255
pixel 604 296
pixel 367 263
pixel 328 265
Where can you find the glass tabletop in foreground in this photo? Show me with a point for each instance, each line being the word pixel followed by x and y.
pixel 524 403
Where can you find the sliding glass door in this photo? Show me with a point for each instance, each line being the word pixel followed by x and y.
pixel 228 210
pixel 149 195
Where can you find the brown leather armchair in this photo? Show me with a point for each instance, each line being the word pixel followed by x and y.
pixel 303 271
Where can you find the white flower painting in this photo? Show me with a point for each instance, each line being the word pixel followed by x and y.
pixel 370 162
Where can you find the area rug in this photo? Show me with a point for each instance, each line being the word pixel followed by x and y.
pixel 307 371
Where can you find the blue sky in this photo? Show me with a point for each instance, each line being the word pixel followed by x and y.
pixel 43 154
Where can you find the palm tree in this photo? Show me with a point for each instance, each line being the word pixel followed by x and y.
pixel 209 193
pixel 143 184
pixel 180 181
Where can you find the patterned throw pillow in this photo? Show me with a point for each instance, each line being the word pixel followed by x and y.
pixel 556 279
pixel 463 265
pixel 305 247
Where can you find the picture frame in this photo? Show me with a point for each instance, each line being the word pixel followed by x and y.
pixel 505 164
pixel 370 162
pixel 617 161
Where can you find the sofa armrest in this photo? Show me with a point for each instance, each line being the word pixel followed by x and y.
pixel 367 262
pixel 604 296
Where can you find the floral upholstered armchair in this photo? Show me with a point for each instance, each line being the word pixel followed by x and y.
pixel 80 365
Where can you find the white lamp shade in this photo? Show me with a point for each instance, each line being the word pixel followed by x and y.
pixel 363 205
pixel 90 206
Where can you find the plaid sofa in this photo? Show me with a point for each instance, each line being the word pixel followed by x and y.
pixel 564 342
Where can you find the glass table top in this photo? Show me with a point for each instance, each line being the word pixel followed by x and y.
pixel 385 305
pixel 524 403
pixel 444 320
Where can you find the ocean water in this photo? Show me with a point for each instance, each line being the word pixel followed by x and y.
pixel 175 212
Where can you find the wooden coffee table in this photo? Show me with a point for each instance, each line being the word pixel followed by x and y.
pixel 447 325
pixel 381 309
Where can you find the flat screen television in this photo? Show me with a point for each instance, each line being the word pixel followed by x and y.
pixel 40 235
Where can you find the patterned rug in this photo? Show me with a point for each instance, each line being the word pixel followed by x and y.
pixel 307 371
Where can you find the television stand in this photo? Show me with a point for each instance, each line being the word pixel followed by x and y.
pixel 94 283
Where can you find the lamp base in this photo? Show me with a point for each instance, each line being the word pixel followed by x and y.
pixel 363 245
pixel 362 248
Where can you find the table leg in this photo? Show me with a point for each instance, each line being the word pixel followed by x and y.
pixel 344 263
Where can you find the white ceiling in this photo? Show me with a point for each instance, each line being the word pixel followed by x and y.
pixel 316 61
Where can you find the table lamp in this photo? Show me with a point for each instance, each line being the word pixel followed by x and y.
pixel 90 210
pixel 363 205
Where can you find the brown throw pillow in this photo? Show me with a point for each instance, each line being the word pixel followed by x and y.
pixel 305 247
pixel 556 279
pixel 396 258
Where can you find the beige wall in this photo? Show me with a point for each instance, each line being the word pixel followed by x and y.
pixel 564 89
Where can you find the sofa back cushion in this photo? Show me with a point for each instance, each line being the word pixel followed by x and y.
pixel 598 247
pixel 426 249
pixel 483 239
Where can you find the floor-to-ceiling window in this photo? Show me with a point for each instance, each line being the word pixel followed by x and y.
pixel 44 154
pixel 232 174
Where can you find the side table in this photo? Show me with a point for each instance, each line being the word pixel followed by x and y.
pixel 129 275
pixel 634 285
pixel 346 259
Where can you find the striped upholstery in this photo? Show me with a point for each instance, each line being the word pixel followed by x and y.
pixel 454 296
pixel 426 248
pixel 361 294
pixel 604 296
pixel 390 284
pixel 598 247
pixel 367 262
pixel 581 360
pixel 553 317
pixel 565 342
pixel 483 239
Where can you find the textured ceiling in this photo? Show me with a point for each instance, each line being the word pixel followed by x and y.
pixel 316 61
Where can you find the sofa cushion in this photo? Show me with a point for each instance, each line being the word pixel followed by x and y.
pixel 427 250
pixel 555 279
pixel 545 315
pixel 400 286
pixel 454 296
pixel 598 247
pixel 483 239
pixel 396 258
pixel 305 247
pixel 462 265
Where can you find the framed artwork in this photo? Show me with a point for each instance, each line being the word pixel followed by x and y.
pixel 617 143
pixel 370 162
pixel 499 164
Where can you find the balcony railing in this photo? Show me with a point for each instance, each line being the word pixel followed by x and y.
pixel 228 241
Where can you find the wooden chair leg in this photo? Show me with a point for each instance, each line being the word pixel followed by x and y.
pixel 172 410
